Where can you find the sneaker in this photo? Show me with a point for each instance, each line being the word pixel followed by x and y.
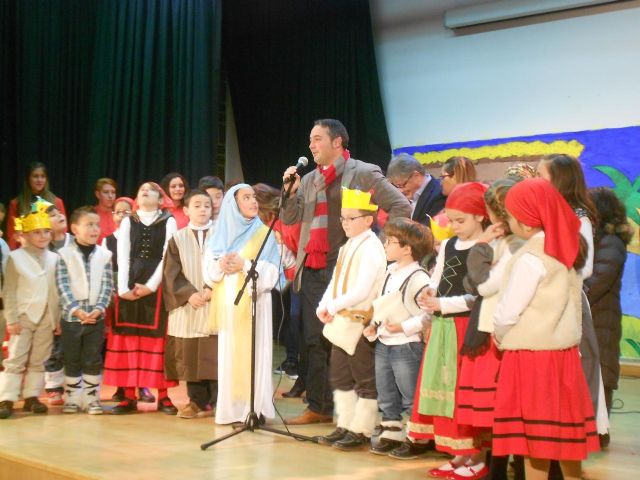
pixel 166 406
pixel 54 398
pixel 281 369
pixel 6 409
pixel 292 372
pixel 409 450
pixel 34 405
pixel 70 408
pixel 118 396
pixel 94 408
pixel 194 411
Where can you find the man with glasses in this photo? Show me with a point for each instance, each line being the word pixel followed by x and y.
pixel 316 201
pixel 424 193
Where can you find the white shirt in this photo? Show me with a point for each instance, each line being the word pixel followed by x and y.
pixel 458 303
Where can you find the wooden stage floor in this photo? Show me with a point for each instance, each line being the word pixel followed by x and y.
pixel 151 445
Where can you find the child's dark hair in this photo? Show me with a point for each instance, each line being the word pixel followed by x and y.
pixel 80 212
pixel 193 193
pixel 494 198
pixel 612 214
pixel 210 182
pixel 411 233
pixel 567 176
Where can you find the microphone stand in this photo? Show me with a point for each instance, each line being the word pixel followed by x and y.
pixel 252 422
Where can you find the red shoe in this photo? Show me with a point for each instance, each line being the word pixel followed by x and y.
pixel 441 472
pixel 482 473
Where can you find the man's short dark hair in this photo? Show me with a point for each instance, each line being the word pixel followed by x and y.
pixel 210 182
pixel 336 129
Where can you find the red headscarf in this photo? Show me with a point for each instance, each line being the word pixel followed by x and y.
pixel 165 200
pixel 536 202
pixel 468 198
pixel 130 201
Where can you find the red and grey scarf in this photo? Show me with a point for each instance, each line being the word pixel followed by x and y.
pixel 318 244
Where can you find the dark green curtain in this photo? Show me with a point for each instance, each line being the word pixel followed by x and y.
pixel 46 71
pixel 292 62
pixel 156 82
pixel 126 89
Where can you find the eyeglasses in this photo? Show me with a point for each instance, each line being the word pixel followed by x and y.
pixel 124 213
pixel 350 220
pixel 389 242
pixel 445 175
pixel 400 186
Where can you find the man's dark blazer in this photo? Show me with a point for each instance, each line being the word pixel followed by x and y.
pixel 430 202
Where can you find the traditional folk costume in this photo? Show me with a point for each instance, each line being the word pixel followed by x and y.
pixel 135 350
pixel 191 353
pixel 438 393
pixel 30 299
pixel 486 264
pixel 355 283
pixel 85 281
pixel 543 409
pixel 54 366
pixel 235 233
pixel 398 355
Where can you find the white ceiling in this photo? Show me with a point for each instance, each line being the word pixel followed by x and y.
pixel 400 9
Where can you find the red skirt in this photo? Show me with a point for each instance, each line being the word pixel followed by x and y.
pixel 543 408
pixel 448 433
pixel 135 361
pixel 477 386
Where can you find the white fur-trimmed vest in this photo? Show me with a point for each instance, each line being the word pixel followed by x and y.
pixel 553 318
pixel 84 288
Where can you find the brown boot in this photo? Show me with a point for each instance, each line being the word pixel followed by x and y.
pixel 308 417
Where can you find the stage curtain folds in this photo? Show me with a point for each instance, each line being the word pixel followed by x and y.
pixel 126 89
pixel 292 62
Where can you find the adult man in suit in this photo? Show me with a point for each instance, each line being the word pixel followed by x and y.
pixel 424 192
pixel 316 202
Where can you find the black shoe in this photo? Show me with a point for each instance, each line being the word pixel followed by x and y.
pixel 145 396
pixel 284 367
pixel 604 440
pixel 409 450
pixel 124 407
pixel 351 441
pixel 338 434
pixel 6 409
pixel 296 391
pixel 34 405
pixel 166 406
pixel 384 446
pixel 119 395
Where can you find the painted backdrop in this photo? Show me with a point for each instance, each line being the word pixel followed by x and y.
pixel 610 157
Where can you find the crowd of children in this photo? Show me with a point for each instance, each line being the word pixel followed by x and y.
pixel 491 352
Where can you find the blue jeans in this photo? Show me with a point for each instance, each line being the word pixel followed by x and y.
pixel 397 368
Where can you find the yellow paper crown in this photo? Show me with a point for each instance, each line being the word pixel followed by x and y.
pixel 358 200
pixel 441 227
pixel 37 218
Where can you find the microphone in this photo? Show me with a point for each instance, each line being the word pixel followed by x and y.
pixel 302 162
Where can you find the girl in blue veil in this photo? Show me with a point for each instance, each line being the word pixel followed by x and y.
pixel 235 243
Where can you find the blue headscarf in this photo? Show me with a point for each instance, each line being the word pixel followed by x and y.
pixel 233 230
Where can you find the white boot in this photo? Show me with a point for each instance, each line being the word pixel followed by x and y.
pixel 92 394
pixel 345 406
pixel 73 391
pixel 54 379
pixel 392 430
pixel 10 386
pixel 365 418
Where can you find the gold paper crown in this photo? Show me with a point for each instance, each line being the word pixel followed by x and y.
pixel 441 227
pixel 358 200
pixel 37 218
